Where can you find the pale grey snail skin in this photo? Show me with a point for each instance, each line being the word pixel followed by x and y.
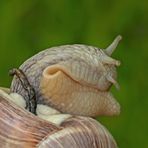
pixel 73 79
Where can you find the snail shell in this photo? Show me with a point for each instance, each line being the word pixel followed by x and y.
pixel 19 128
pixel 74 79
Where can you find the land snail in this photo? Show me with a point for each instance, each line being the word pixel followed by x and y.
pixel 72 81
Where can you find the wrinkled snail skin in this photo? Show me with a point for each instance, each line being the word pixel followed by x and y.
pixel 76 99
pixel 87 70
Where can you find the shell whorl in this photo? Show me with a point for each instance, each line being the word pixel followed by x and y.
pixel 86 70
pixel 19 128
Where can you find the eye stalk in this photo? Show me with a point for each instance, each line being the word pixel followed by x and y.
pixel 110 49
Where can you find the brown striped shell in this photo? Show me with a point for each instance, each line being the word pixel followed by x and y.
pixel 21 129
pixel 74 79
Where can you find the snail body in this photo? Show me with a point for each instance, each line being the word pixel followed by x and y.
pixel 73 79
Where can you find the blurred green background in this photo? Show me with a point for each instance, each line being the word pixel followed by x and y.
pixel 26 27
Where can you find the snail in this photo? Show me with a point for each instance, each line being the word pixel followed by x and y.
pixel 64 86
pixel 73 79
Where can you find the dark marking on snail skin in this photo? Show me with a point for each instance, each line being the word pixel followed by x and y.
pixel 31 103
